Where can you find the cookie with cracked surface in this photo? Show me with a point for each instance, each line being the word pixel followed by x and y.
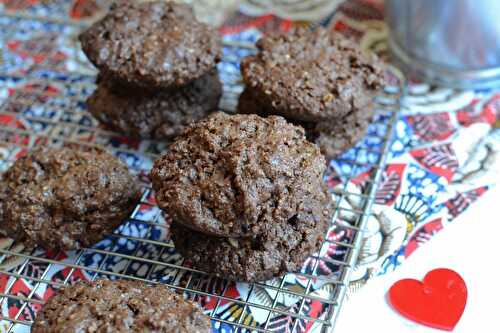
pixel 232 175
pixel 156 115
pixel 278 248
pixel 333 137
pixel 312 75
pixel 61 198
pixel 157 44
pixel 119 306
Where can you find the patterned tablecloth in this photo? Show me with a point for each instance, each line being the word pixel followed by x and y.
pixel 445 153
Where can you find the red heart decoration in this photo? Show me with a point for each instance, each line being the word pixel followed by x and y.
pixel 438 301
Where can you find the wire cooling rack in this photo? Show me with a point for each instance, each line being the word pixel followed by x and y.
pixel 47 108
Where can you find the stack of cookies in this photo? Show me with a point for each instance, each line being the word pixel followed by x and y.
pixel 246 195
pixel 319 80
pixel 157 68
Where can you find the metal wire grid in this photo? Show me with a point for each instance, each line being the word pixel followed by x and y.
pixel 158 255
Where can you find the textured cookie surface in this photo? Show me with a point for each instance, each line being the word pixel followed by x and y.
pixel 337 136
pixel 119 306
pixel 235 175
pixel 332 136
pixel 154 44
pixel 160 115
pixel 279 247
pixel 312 75
pixel 60 198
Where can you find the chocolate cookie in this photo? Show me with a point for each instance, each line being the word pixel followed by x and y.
pixel 60 198
pixel 336 136
pixel 158 115
pixel 235 175
pixel 119 306
pixel 312 75
pixel 333 137
pixel 152 44
pixel 280 247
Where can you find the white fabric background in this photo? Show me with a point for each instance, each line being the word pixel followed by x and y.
pixel 468 246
